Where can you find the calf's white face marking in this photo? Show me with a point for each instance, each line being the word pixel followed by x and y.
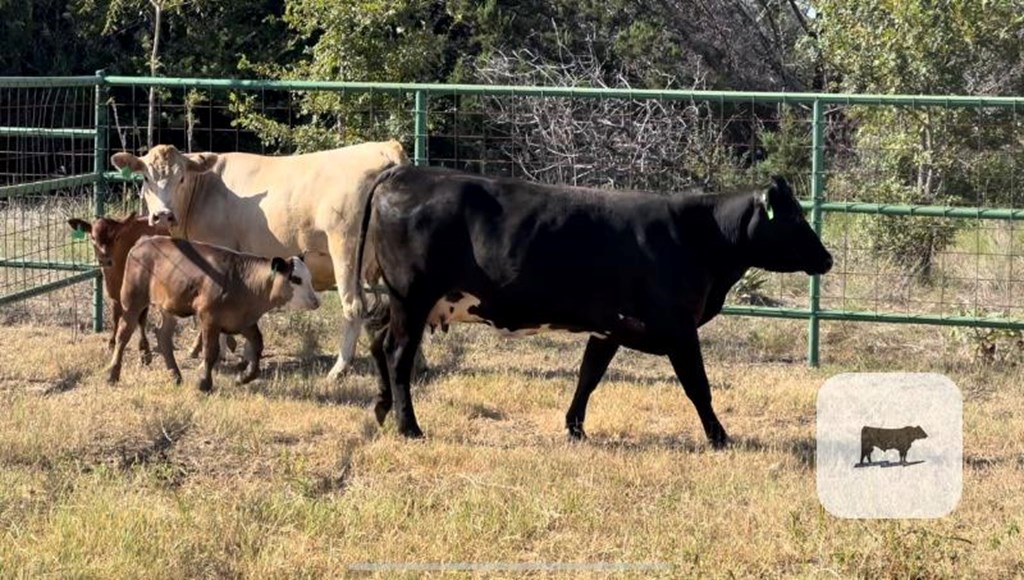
pixel 303 295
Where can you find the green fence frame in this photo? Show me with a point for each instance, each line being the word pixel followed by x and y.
pixel 421 93
pixel 83 273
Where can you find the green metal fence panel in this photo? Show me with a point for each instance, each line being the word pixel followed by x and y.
pixel 46 125
pixel 918 196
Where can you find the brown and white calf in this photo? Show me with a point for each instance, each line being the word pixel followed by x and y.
pixel 226 291
pixel 111 241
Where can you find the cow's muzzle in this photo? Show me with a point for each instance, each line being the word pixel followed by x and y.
pixel 824 266
pixel 162 218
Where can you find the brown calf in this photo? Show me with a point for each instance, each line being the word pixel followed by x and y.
pixel 227 291
pixel 111 240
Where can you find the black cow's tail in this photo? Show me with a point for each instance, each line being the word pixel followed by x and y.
pixel 367 190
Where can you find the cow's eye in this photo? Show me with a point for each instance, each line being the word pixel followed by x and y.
pixel 295 280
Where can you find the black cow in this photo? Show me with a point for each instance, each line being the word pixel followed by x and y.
pixel 885 439
pixel 631 269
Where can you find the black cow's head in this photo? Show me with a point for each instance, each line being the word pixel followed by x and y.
pixel 780 237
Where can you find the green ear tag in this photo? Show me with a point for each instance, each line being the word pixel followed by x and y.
pixel 126 172
pixel 78 234
pixel 771 212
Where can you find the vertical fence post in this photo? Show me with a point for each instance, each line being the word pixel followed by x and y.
pixel 100 187
pixel 817 195
pixel 419 154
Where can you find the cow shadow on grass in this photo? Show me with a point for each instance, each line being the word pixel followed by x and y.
pixel 802 449
pixel 305 380
pixel 886 463
pixel 570 376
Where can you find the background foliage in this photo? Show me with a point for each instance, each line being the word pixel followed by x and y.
pixel 911 155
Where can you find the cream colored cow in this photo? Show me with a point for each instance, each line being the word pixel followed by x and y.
pixel 272 206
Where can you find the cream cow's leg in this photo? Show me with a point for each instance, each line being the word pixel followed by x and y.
pixel 342 252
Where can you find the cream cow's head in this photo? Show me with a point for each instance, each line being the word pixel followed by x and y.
pixel 166 173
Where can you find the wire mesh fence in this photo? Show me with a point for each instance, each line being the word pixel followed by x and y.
pixel 47 133
pixel 919 197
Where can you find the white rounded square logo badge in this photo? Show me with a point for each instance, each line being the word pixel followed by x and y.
pixel 889 445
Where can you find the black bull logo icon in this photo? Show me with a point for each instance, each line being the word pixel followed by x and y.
pixel 899 439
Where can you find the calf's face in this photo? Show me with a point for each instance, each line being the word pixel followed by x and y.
pixel 295 284
pixel 781 239
pixel 105 234
pixel 165 173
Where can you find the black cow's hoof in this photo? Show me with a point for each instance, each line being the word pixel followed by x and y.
pixel 576 433
pixel 412 432
pixel 249 376
pixel 205 385
pixel 719 442
pixel 176 377
pixel 380 411
pixel 146 357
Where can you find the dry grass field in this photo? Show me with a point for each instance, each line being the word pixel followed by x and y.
pixel 291 477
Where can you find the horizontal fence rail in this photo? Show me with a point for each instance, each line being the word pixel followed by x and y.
pixel 923 226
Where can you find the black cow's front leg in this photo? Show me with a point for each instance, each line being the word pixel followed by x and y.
pixel 689 367
pixel 383 401
pixel 596 359
pixel 403 340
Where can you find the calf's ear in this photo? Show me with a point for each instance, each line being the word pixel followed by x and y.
pixel 80 225
pixel 281 266
pixel 124 160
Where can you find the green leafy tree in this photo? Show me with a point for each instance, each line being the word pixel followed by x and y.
pixel 920 155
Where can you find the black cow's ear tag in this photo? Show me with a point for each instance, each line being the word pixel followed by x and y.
pixel 762 198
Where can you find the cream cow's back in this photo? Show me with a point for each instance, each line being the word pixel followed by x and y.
pixel 307 195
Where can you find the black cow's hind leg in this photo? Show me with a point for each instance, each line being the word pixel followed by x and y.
pixel 596 358
pixel 689 367
pixel 402 342
pixel 383 401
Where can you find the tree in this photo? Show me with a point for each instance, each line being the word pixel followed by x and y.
pixel 920 154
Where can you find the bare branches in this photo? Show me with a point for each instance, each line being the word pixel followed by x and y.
pixel 620 143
